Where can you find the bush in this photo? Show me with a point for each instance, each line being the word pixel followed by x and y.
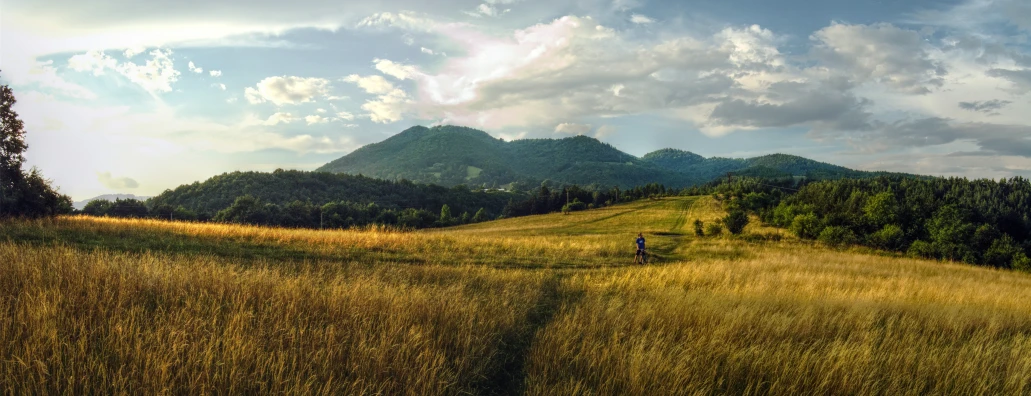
pixel 1021 262
pixel 574 206
pixel 698 228
pixel 713 229
pixel 806 226
pixel 736 221
pixel 1002 252
pixel 890 237
pixel 837 236
pixel 922 249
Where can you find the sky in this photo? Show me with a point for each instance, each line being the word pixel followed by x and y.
pixel 132 96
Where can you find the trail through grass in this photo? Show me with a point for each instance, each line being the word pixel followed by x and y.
pixel 544 305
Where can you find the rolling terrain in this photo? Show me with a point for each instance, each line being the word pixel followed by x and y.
pixel 452 155
pixel 546 304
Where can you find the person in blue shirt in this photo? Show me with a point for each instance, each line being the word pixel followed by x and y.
pixel 640 249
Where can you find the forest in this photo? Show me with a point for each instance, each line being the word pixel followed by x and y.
pixel 982 221
pixel 299 199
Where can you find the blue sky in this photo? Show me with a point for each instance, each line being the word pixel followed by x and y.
pixel 137 97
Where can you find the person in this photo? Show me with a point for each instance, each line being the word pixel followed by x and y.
pixel 640 249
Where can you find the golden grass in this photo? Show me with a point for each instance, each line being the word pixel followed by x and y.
pixel 539 305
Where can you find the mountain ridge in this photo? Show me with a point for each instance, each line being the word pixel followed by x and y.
pixel 452 155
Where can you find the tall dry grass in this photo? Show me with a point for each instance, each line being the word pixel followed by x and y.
pixel 790 322
pixel 96 322
pixel 540 304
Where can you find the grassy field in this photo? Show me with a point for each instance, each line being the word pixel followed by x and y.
pixel 535 305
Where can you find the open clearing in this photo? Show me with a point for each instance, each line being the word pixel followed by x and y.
pixel 533 305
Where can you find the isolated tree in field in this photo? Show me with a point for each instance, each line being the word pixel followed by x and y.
pixel 22 194
pixel 736 221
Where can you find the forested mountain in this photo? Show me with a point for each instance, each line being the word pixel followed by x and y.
pixel 452 155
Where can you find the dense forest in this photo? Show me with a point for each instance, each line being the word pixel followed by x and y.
pixel 983 221
pixel 452 155
pixel 325 200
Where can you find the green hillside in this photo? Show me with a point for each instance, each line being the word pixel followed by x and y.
pixel 453 155
pixel 285 187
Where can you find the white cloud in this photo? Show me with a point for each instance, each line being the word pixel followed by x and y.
pixel 396 70
pixel 320 111
pixel 567 128
pixel 605 131
pixel 194 68
pixel 883 53
pixel 315 119
pixel 132 52
pixel 487 9
pixel 640 19
pixel 388 107
pixel 371 84
pixel 287 90
pixel 116 183
pixel 215 73
pixel 279 118
pixel 343 115
pixel 426 50
pixel 92 61
pixel 156 75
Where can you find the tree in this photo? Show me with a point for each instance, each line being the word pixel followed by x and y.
pixel 736 221
pixel 22 194
pixel 480 216
pixel 445 215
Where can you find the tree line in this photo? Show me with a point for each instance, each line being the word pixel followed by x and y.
pixel 983 221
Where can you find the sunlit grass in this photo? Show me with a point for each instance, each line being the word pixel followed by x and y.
pixel 540 304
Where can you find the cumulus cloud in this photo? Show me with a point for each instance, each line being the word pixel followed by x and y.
pixel 396 70
pixel 156 75
pixel 194 68
pixel 388 108
pixel 371 84
pixel 640 19
pixel 116 183
pixel 343 115
pixel 215 73
pixel 574 67
pixel 279 118
pixel 987 106
pixel 487 9
pixel 315 119
pixel 883 53
pixel 287 90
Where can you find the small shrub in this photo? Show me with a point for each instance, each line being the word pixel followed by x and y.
pixel 806 226
pixel 699 228
pixel 922 249
pixel 1021 262
pixel 736 221
pixel 890 237
pixel 837 236
pixel 713 229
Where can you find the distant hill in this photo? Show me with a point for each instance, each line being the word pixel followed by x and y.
pixel 78 205
pixel 284 187
pixel 453 155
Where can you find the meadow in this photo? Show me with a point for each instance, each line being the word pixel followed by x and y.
pixel 538 305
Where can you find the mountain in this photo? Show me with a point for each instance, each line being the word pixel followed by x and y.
pixel 452 155
pixel 78 205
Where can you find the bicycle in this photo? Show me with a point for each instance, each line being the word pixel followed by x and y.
pixel 641 257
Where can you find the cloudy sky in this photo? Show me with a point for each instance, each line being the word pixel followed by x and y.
pixel 137 96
